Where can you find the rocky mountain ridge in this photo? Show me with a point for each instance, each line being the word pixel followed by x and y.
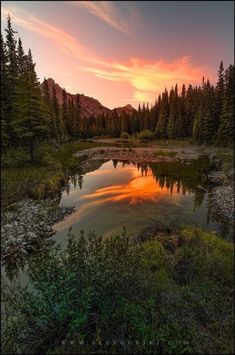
pixel 89 105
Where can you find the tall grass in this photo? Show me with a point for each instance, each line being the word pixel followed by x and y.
pixel 21 179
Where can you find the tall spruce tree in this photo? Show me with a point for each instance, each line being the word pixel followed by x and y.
pixel 208 123
pixel 29 123
pixel 4 96
pixel 11 76
pixel 220 92
pixel 162 124
pixel 52 126
pixel 226 127
pixel 57 116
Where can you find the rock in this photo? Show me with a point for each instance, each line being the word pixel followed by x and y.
pixel 231 173
pixel 31 235
pixel 216 177
pixel 10 241
pixel 8 226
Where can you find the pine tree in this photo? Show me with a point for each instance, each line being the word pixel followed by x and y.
pixel 142 114
pixel 153 116
pixel 11 76
pixel 124 123
pixel 226 127
pixel 220 92
pixel 208 127
pixel 171 127
pixel 4 98
pixel 162 124
pixel 116 126
pixel 56 114
pixel 20 59
pixel 146 119
pixel 29 123
pixel 180 124
pixel 197 126
pixel 52 126
pixel 77 116
pixel 191 108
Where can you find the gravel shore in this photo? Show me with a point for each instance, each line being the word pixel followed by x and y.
pixel 222 202
pixel 139 155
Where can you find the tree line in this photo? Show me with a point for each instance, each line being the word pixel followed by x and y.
pixel 31 114
pixel 204 112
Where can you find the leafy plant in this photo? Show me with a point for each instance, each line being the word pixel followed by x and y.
pixel 167 295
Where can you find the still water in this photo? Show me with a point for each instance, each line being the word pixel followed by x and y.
pixel 137 197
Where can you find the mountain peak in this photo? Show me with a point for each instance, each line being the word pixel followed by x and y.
pixel 127 109
pixel 89 105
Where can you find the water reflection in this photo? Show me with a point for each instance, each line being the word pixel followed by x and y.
pixel 149 181
pixel 122 193
pixel 76 180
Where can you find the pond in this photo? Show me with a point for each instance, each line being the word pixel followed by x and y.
pixel 138 197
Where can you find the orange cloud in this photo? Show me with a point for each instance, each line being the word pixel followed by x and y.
pixel 149 77
pixel 64 40
pixel 146 78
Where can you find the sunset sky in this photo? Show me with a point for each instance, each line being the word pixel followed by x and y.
pixel 124 52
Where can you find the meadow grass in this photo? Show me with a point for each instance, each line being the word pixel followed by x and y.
pixel 21 179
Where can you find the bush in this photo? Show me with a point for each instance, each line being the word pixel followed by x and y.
pixel 113 296
pixel 146 135
pixel 125 135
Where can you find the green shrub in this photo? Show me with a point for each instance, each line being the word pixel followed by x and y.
pixel 150 296
pixel 146 135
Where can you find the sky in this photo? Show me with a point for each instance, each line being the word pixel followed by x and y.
pixel 124 52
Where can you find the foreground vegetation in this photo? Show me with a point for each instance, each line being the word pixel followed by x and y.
pixel 21 178
pixel 170 294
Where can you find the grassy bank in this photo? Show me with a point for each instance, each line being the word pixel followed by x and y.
pixel 21 179
pixel 170 295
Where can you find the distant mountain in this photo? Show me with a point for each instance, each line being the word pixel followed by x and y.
pixel 128 109
pixel 89 105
